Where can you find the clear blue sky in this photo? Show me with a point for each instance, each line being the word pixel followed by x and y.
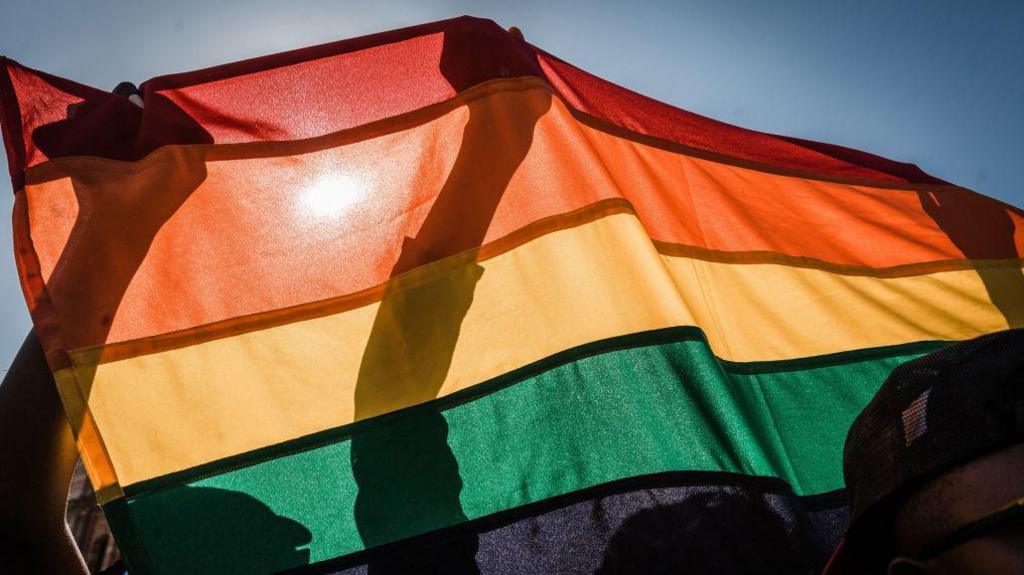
pixel 939 84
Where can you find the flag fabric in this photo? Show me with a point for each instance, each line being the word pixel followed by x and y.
pixel 436 300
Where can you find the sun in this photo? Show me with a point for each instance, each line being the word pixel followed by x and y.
pixel 332 195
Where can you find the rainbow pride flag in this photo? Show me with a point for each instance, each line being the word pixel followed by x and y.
pixel 436 300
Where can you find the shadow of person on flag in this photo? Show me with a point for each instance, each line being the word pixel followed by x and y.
pixel 981 228
pixel 121 208
pixel 408 486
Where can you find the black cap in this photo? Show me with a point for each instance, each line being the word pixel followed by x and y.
pixel 126 89
pixel 932 414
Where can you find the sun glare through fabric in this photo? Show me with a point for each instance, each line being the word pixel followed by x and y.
pixel 332 195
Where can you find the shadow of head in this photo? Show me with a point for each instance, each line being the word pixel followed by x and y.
pixel 206 530
pixel 727 531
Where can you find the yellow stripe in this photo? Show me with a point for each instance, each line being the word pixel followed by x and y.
pixel 97 463
pixel 176 409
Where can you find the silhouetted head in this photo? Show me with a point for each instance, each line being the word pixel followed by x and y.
pixel 728 530
pixel 935 465
pixel 206 530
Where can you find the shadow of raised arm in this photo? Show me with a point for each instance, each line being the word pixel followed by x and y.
pixel 982 229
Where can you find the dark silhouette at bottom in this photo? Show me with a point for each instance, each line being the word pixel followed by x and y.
pixel 721 532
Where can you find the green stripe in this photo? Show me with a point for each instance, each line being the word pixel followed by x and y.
pixel 651 403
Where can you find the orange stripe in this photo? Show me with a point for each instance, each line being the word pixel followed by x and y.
pixel 174 241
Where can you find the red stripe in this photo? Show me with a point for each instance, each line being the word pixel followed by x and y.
pixel 331 87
